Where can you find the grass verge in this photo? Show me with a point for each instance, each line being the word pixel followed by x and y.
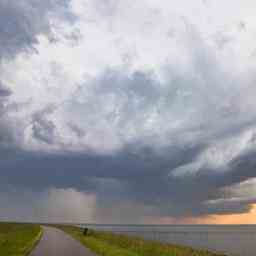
pixel 18 239
pixel 109 244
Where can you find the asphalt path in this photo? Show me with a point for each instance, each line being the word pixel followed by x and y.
pixel 57 243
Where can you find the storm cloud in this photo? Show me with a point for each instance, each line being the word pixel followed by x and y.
pixel 144 106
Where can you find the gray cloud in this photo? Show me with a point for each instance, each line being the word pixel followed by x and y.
pixel 20 25
pixel 21 22
pixel 8 133
pixel 141 178
pixel 51 205
pixel 140 172
pixel 43 128
pixel 77 130
pixel 4 91
pixel 170 140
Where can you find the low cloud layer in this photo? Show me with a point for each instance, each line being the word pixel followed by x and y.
pixel 148 105
pixel 52 205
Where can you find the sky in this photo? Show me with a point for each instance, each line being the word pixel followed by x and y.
pixel 116 111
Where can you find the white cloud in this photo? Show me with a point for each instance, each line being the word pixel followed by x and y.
pixel 195 83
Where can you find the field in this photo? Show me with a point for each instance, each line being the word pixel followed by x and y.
pixel 18 239
pixel 109 244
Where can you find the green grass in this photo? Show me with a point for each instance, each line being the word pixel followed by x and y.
pixel 18 239
pixel 109 244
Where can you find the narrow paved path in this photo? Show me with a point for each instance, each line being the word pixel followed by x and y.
pixel 57 243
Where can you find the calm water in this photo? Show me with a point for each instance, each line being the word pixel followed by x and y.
pixel 233 240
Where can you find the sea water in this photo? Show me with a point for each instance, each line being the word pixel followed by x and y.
pixel 234 240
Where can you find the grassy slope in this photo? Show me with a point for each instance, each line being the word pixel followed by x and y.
pixel 18 239
pixel 108 244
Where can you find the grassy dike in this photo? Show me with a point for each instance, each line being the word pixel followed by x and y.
pixel 109 244
pixel 18 239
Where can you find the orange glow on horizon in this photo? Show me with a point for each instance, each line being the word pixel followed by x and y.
pixel 244 218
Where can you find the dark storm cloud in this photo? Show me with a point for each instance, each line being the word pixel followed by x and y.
pixel 65 170
pixel 189 195
pixel 138 172
pixel 144 178
pixel 150 128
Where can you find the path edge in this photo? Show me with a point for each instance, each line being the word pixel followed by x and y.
pixel 34 243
